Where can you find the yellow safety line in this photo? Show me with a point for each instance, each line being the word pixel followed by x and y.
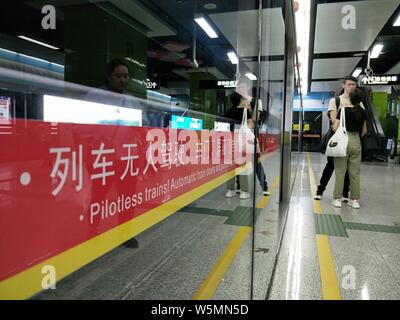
pixel 329 283
pixel 28 282
pixel 316 203
pixel 210 285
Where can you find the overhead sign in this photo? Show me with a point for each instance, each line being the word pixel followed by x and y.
pixel 178 122
pixel 384 79
pixel 218 84
pixel 152 85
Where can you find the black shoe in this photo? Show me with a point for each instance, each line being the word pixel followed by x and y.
pixel 318 196
pixel 132 243
pixel 265 189
pixel 266 193
pixel 319 193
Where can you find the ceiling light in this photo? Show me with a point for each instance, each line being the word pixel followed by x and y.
pixel 206 27
pixel 357 72
pixel 251 76
pixel 302 18
pixel 376 51
pixel 8 51
pixel 34 58
pixel 56 64
pixel 210 6
pixel 38 42
pixel 397 22
pixel 232 56
pixel 31 58
pixel 135 62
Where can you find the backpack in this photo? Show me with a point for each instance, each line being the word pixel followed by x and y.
pixel 337 103
pixel 325 138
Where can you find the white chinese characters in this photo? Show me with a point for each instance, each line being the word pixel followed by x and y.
pixel 101 163
pixel 129 159
pixel 61 166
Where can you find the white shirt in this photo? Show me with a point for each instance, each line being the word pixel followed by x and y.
pixel 344 101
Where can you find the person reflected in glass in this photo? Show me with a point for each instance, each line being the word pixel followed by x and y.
pixel 113 92
pixel 236 113
pixel 243 89
pixel 117 76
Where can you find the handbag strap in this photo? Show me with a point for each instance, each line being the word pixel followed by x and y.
pixel 343 118
pixel 244 118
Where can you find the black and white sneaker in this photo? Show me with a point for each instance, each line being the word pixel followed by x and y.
pixel 266 193
pixel 318 196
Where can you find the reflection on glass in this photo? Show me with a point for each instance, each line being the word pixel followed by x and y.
pixel 91 122
pixel 58 109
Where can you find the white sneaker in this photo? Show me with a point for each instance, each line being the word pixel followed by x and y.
pixel 318 197
pixel 355 204
pixel 244 195
pixel 230 193
pixel 337 203
pixel 266 193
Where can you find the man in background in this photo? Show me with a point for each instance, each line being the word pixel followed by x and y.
pixel 349 85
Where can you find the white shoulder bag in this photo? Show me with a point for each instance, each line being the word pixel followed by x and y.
pixel 337 145
pixel 246 136
pixel 246 143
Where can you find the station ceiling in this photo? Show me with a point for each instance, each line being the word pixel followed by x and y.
pixel 335 52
